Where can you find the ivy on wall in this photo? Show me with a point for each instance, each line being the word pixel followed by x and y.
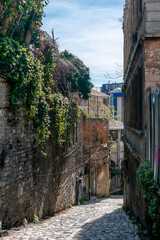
pixel 31 73
pixel 152 194
pixel 31 77
pixel 31 87
pixel 21 19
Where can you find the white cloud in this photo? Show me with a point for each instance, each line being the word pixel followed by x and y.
pixel 93 34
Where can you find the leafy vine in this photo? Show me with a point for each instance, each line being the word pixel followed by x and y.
pixel 30 71
pixel 31 88
pixel 152 194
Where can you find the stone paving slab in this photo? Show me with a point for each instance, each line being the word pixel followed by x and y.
pixel 96 220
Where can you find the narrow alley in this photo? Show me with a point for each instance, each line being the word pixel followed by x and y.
pixel 79 120
pixel 100 219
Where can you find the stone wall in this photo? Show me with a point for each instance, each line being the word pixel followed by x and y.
pixel 134 196
pixel 31 183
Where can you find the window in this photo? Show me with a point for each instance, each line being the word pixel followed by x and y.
pixel 122 134
pixel 133 100
pixel 113 135
pixel 139 7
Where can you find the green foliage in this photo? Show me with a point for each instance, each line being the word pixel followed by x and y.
pixel 31 82
pixel 18 17
pixel 31 78
pixel 146 179
pixel 35 218
pixel 64 117
pixel 104 196
pixel 98 196
pixel 80 77
pixel 81 201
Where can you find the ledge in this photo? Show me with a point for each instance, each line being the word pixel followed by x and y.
pixel 138 132
pixel 131 149
pixel 152 35
pixel 139 21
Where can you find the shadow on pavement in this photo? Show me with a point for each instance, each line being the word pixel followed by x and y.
pixel 112 226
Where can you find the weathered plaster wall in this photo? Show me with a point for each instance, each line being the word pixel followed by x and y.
pixel 96 133
pixel 31 183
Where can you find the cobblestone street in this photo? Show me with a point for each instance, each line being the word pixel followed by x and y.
pixel 97 220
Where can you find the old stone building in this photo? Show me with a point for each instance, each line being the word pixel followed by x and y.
pixel 96 149
pixel 96 105
pixel 141 74
pixel 34 183
pixel 96 142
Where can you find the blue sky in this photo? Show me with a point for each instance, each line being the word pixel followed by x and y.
pixel 91 30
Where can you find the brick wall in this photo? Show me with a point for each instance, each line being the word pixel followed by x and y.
pixel 152 63
pixel 96 133
pixel 31 183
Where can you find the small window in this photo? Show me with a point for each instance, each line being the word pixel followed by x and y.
pixel 113 135
pixel 140 6
pixel 122 134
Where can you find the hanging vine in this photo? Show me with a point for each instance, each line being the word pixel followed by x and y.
pixel 30 72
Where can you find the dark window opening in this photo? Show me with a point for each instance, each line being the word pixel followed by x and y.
pixel 2 158
pixel 122 134
pixel 113 135
pixel 139 7
pixel 133 100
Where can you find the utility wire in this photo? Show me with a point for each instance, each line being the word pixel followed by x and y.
pixel 70 169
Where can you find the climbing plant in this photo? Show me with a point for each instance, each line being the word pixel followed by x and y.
pixel 30 71
pixel 21 19
pixel 152 194
pixel 31 88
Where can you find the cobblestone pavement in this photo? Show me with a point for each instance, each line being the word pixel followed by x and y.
pixel 97 220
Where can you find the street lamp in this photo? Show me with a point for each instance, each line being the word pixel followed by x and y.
pixel 101 145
